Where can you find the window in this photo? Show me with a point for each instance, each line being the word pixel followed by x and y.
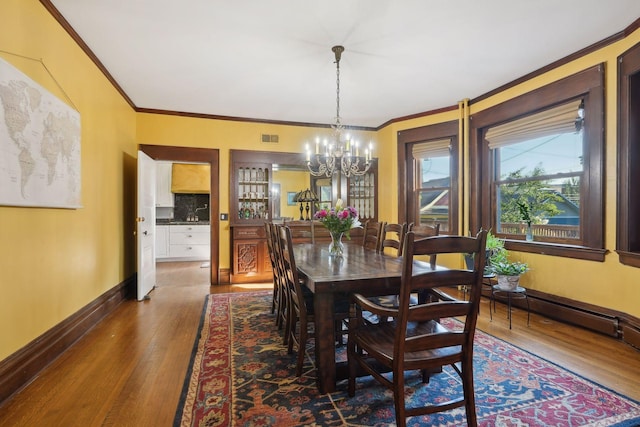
pixel 538 168
pixel 628 228
pixel 428 185
pixel 543 153
pixel 432 189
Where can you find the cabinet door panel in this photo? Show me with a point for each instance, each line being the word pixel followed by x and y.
pixel 189 251
pixel 189 238
pixel 247 258
pixel 164 196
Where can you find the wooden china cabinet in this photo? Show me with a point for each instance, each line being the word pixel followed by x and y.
pixel 252 202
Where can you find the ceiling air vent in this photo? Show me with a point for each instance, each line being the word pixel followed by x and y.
pixel 270 138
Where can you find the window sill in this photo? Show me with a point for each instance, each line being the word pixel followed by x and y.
pixel 554 249
pixel 629 258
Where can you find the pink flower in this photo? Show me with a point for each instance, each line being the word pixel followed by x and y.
pixel 321 214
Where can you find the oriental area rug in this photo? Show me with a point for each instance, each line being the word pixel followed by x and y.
pixel 241 375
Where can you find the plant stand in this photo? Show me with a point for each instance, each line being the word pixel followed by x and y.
pixel 518 292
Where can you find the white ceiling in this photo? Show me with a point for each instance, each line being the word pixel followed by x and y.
pixel 272 60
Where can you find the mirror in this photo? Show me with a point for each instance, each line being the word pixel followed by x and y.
pixel 287 183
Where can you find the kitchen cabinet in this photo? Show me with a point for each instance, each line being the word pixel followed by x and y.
pixel 189 242
pixel 164 196
pixel 190 178
pixel 162 241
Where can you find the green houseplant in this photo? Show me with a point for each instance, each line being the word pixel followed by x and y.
pixel 494 247
pixel 507 272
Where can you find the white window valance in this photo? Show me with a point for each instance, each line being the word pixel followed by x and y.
pixel 436 148
pixel 560 119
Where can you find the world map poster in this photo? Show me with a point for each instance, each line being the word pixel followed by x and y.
pixel 39 144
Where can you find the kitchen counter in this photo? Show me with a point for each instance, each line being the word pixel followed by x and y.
pixel 175 222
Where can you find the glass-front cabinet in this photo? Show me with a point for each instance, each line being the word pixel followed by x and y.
pixel 361 192
pixel 263 187
pixel 254 192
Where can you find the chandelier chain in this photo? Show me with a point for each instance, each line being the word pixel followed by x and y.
pixel 343 155
pixel 338 123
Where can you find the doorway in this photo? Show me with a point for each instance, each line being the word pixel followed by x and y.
pixel 198 155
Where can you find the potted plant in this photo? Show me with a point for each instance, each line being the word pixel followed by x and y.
pixel 507 272
pixel 494 247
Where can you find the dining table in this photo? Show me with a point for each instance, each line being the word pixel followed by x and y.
pixel 358 270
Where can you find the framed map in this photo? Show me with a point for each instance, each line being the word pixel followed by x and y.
pixel 39 144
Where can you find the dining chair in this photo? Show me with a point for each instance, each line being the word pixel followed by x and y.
pixel 422 230
pixel 372 235
pixel 272 257
pixel 279 282
pixel 393 237
pixel 300 316
pixel 424 337
pixel 301 231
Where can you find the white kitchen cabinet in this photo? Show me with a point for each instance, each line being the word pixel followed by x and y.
pixel 164 196
pixel 162 241
pixel 189 242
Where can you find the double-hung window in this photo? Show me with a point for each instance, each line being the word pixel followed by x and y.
pixel 432 194
pixel 538 168
pixel 538 159
pixel 428 176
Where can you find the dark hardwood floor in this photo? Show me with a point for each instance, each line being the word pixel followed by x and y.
pixel 129 370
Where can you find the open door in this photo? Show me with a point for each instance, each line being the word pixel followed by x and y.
pixel 145 227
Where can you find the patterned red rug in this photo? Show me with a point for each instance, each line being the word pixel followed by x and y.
pixel 241 375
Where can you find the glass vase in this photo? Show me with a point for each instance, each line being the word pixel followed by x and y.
pixel 529 235
pixel 336 247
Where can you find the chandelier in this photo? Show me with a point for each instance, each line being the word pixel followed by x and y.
pixel 341 153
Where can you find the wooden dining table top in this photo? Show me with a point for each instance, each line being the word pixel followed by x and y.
pixel 354 272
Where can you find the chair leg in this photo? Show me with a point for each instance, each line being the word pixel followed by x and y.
pixel 302 346
pixel 289 336
pixel 289 321
pixel 398 399
pixel 469 396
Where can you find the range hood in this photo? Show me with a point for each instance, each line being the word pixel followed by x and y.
pixel 190 178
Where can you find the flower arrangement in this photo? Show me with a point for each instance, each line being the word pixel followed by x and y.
pixel 339 219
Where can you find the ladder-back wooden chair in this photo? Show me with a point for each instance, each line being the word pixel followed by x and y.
pixel 279 282
pixel 372 235
pixel 300 299
pixel 393 237
pixel 423 337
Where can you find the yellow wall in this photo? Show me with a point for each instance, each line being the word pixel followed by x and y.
pixel 53 262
